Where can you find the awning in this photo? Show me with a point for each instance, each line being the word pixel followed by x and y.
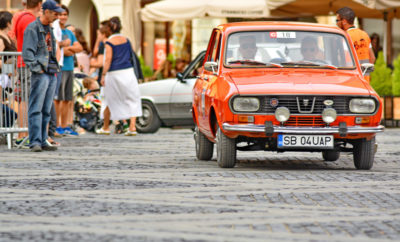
pixel 307 8
pixel 170 10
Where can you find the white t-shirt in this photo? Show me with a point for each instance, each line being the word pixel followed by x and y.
pixel 58 35
pixel 4 80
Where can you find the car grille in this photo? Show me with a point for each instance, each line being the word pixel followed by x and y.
pixel 305 121
pixel 305 105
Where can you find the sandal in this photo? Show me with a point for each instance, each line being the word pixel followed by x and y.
pixel 102 131
pixel 52 142
pixel 130 133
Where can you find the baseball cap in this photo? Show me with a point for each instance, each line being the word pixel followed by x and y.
pixel 52 5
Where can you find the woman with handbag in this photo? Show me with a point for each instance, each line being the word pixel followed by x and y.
pixel 120 83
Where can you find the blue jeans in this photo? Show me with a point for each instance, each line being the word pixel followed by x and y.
pixel 8 116
pixel 41 97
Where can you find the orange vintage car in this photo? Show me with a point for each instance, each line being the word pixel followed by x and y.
pixel 279 86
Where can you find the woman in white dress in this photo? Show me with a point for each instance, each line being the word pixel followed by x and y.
pixel 121 88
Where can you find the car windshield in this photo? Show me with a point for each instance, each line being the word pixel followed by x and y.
pixel 293 49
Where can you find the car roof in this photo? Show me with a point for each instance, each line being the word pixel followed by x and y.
pixel 301 26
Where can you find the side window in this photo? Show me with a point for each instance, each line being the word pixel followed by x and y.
pixel 196 69
pixel 213 54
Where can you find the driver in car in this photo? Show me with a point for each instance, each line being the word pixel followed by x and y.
pixel 248 49
pixel 310 50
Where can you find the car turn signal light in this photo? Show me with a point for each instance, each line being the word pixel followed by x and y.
pixel 246 119
pixel 362 120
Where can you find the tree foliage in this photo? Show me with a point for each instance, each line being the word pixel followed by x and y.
pixel 396 77
pixel 381 79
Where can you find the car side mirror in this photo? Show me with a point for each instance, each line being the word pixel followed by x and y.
pixel 367 68
pixel 179 76
pixel 211 66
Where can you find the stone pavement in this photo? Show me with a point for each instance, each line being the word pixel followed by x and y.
pixel 152 188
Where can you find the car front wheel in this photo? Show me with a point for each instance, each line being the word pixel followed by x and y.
pixel 226 150
pixel 204 147
pixel 149 122
pixel 363 153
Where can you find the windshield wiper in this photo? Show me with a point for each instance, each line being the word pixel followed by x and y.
pixel 309 63
pixel 253 62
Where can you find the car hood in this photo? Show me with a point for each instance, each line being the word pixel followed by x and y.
pixel 324 82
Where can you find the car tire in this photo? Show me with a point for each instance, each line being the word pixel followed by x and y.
pixel 226 150
pixel 364 153
pixel 331 155
pixel 204 147
pixel 149 122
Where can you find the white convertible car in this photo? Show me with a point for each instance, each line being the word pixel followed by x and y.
pixel 167 103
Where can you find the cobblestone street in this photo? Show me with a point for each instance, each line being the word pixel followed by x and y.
pixel 152 188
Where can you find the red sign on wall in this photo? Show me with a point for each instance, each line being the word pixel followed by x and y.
pixel 160 52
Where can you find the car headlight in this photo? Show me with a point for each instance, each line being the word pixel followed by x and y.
pixel 329 115
pixel 362 105
pixel 282 114
pixel 246 104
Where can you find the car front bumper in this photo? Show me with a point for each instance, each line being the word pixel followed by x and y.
pixel 301 130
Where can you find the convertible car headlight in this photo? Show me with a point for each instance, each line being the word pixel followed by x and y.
pixel 246 104
pixel 362 105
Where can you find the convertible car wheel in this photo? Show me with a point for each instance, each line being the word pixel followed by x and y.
pixel 149 122
pixel 204 147
pixel 226 150
pixel 364 153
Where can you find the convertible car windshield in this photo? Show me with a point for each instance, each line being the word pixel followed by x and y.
pixel 277 49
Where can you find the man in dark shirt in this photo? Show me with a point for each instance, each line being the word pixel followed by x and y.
pixel 39 53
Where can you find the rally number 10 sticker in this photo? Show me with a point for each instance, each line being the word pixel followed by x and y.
pixel 282 35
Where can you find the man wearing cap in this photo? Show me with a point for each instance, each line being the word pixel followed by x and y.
pixel 39 53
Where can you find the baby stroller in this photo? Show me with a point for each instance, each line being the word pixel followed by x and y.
pixel 87 106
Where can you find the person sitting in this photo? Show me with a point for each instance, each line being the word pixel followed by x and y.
pixel 248 50
pixel 310 50
pixel 92 87
pixel 180 65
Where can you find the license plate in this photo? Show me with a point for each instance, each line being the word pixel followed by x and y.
pixel 305 141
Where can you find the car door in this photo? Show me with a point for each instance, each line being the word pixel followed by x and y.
pixel 181 94
pixel 206 80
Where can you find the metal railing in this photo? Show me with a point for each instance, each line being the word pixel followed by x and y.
pixel 14 90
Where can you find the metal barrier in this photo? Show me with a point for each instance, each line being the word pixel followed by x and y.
pixel 14 90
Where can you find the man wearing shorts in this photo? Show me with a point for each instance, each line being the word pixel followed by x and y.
pixel 65 92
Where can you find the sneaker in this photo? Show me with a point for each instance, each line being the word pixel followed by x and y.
pixel 130 133
pixel 36 148
pixel 69 131
pixel 20 143
pixel 49 148
pixel 102 131
pixel 60 131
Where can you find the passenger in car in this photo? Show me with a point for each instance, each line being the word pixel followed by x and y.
pixel 310 50
pixel 248 50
